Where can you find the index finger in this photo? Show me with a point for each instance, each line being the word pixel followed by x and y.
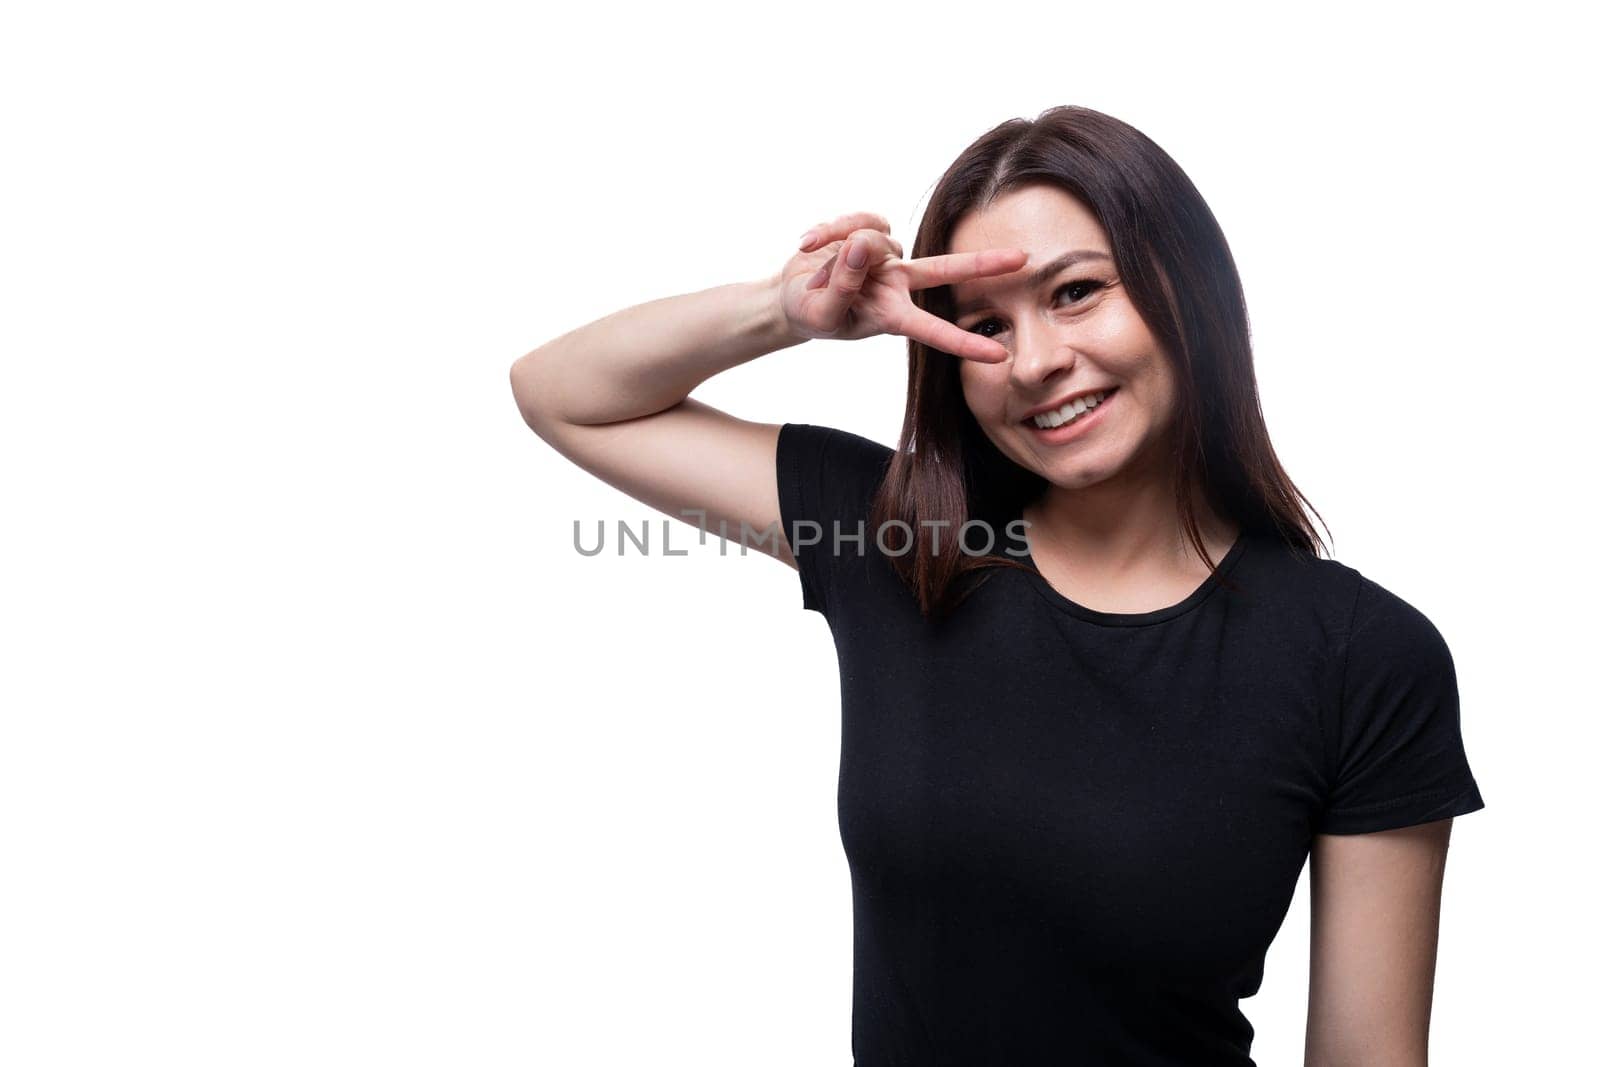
pixel 961 266
pixel 947 337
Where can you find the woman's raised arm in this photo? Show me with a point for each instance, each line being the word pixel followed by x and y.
pixel 613 396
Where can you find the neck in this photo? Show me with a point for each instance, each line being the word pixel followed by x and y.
pixel 1124 524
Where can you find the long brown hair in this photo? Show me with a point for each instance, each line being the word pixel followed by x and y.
pixel 1177 270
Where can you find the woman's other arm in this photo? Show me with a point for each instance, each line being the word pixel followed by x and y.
pixel 1374 943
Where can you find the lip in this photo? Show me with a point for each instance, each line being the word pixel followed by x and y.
pixel 1056 435
pixel 1027 416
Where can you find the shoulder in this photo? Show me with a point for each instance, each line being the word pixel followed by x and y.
pixel 1382 613
pixel 1292 586
pixel 1391 642
pixel 1346 604
pixel 1396 753
pixel 827 478
pixel 830 459
pixel 833 444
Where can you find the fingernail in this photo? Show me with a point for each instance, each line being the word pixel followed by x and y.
pixel 806 239
pixel 857 256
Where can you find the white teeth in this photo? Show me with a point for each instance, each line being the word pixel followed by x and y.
pixel 1068 412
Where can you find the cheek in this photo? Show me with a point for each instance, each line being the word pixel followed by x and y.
pixel 1126 345
pixel 1127 349
pixel 1115 331
pixel 985 392
pixel 1159 389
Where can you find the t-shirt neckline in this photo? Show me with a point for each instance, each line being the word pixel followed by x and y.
pixel 1037 581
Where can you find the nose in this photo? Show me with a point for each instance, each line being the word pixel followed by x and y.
pixel 1041 356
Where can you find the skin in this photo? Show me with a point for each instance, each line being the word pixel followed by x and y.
pixel 613 398
pixel 1374 943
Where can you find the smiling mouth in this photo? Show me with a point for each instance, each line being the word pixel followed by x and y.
pixel 1070 412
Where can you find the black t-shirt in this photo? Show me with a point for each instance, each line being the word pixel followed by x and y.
pixel 1073 834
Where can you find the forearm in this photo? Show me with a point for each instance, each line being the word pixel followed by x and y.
pixel 649 357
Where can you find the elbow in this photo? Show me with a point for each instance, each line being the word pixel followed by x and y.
pixel 526 393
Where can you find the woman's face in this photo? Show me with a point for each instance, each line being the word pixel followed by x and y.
pixel 1071 332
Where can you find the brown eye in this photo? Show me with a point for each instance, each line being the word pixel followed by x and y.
pixel 1085 286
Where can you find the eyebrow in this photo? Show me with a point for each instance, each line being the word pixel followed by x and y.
pixel 1040 275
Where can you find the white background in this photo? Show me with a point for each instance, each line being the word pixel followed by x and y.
pixel 322 745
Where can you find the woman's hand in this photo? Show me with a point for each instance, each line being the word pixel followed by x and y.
pixel 824 295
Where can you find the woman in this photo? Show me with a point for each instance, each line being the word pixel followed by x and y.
pixel 1083 767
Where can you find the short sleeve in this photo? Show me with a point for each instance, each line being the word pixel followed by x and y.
pixel 1400 758
pixel 826 479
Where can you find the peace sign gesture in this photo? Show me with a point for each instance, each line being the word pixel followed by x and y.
pixel 824 294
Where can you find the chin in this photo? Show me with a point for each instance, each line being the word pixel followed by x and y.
pixel 1074 476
